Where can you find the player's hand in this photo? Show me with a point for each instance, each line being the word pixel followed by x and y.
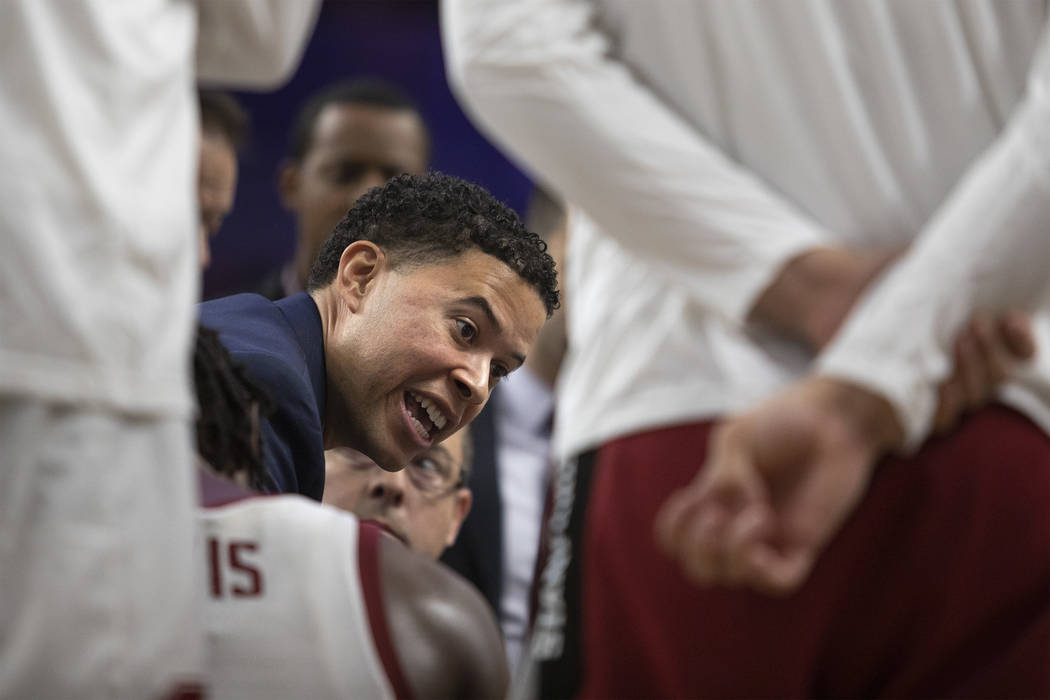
pixel 778 483
pixel 986 351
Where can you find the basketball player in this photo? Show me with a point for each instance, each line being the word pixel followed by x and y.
pixel 98 279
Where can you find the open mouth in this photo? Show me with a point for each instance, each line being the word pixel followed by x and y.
pixel 424 416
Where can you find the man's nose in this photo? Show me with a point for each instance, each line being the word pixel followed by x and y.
pixel 388 487
pixel 472 380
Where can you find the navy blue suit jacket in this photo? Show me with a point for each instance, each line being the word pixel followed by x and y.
pixel 281 346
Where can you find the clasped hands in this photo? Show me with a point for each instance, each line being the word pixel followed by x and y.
pixel 781 479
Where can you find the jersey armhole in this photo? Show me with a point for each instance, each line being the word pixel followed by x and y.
pixel 368 564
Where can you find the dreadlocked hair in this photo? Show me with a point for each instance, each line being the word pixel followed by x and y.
pixel 231 408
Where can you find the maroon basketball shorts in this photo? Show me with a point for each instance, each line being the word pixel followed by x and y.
pixel 937 586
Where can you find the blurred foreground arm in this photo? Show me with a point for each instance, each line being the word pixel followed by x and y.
pixel 539 78
pixel 252 43
pixel 781 479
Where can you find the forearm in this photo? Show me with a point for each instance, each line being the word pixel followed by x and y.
pixel 252 43
pixel 868 418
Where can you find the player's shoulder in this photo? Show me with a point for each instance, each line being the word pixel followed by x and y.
pixel 305 511
pixel 304 519
pixel 431 600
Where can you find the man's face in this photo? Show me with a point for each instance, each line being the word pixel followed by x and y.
pixel 353 148
pixel 216 185
pixel 423 504
pixel 412 353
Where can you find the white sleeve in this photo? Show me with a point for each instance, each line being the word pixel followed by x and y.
pixel 252 43
pixel 986 248
pixel 537 77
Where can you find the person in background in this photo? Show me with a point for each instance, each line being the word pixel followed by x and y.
pixel 223 125
pixel 423 504
pixel 497 547
pixel 810 226
pixel 98 282
pixel 348 138
pixel 303 600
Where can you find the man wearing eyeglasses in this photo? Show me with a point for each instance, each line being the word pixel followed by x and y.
pixel 423 505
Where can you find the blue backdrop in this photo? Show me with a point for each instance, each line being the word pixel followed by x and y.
pixel 396 40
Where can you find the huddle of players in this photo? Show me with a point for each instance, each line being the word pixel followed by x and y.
pixel 393 621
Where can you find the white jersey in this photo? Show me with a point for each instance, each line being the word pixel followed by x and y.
pixel 98 199
pixel 293 608
pixel 708 143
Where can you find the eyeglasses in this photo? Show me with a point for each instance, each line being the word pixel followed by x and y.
pixel 434 473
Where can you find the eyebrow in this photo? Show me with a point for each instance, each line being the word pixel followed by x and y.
pixel 483 304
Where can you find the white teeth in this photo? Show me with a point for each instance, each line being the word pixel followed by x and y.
pixel 432 410
pixel 435 415
pixel 420 429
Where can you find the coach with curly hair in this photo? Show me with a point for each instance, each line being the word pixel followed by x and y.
pixel 425 295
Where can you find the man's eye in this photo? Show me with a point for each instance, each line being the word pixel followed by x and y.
pixel 427 464
pixel 499 372
pixel 349 172
pixel 467 330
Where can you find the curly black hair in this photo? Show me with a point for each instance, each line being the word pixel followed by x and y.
pixel 231 408
pixel 418 219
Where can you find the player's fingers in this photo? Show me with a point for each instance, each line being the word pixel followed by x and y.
pixel 949 404
pixel 779 573
pixel 992 343
pixel 952 393
pixel 672 519
pixel 970 367
pixel 746 533
pixel 1016 330
pixel 702 554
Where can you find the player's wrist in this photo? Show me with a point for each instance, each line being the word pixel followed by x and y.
pixel 867 417
pixel 807 298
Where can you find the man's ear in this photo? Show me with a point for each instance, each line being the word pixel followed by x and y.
pixel 288 184
pixel 359 265
pixel 464 499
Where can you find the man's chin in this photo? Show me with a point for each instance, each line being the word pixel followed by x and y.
pixel 396 459
pixel 390 457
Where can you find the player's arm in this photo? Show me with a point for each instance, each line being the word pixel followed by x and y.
pixel 986 248
pixel 538 77
pixel 446 638
pixel 252 43
pixel 781 478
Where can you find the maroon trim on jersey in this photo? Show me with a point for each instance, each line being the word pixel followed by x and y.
pixel 368 538
pixel 216 491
